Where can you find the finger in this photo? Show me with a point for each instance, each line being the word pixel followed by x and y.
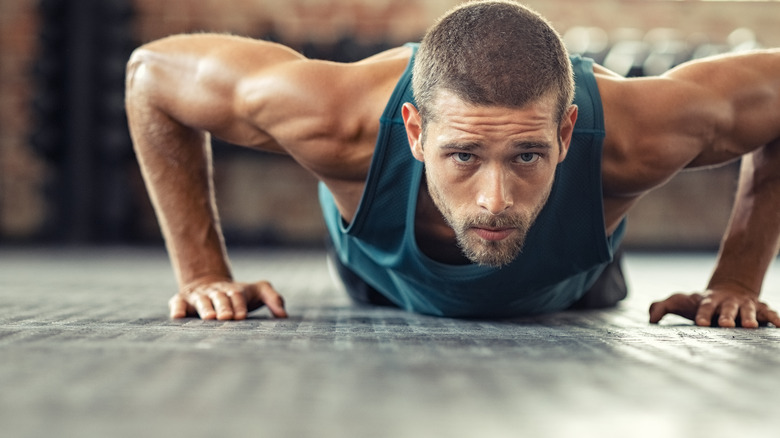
pixel 272 300
pixel 178 307
pixel 204 307
pixel 728 314
pixel 747 313
pixel 679 304
pixel 238 302
pixel 767 315
pixel 705 313
pixel 657 311
pixel 222 305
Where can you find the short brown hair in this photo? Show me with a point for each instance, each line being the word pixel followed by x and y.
pixel 493 52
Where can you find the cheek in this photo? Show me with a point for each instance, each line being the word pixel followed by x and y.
pixel 437 175
pixel 542 190
pixel 445 195
pixel 450 187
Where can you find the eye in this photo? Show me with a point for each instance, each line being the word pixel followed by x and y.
pixel 463 157
pixel 528 157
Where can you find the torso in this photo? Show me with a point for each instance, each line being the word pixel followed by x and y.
pixel 620 170
pixel 346 167
pixel 346 171
pixel 434 236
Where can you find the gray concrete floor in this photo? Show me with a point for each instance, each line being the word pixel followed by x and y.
pixel 86 350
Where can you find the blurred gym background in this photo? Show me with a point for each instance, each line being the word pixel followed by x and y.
pixel 67 170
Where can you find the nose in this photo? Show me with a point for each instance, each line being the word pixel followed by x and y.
pixel 494 195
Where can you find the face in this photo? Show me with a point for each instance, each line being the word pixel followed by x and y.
pixel 489 170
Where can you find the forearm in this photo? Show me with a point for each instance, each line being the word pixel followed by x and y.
pixel 753 235
pixel 175 161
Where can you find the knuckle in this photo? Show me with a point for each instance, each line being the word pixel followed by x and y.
pixel 214 294
pixel 706 307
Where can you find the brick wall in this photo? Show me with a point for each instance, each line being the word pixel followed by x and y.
pixel 24 208
pixel 22 204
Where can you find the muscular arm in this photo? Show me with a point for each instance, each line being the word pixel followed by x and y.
pixel 702 114
pixel 179 89
pixel 752 238
pixel 751 127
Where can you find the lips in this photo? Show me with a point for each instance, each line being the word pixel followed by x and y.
pixel 493 234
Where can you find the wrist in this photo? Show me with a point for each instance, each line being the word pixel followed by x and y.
pixel 719 282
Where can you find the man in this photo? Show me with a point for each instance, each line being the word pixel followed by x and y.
pixel 482 192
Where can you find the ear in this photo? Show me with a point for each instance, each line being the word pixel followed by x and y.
pixel 413 124
pixel 566 130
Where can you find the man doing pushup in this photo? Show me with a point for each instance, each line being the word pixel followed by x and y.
pixel 481 173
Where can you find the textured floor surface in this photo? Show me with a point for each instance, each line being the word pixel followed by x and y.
pixel 86 350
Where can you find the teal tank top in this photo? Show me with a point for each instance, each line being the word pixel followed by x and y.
pixel 565 251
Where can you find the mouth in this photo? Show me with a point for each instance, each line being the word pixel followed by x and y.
pixel 493 234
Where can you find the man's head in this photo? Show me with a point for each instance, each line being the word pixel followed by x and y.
pixel 493 52
pixel 493 85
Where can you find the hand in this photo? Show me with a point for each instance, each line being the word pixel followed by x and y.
pixel 225 300
pixel 723 308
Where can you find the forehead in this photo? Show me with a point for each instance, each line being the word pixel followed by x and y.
pixel 460 118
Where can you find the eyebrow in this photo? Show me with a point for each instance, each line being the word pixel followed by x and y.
pixel 474 146
pixel 461 147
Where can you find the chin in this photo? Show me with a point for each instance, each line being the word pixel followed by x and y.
pixel 495 254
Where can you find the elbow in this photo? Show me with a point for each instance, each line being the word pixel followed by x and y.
pixel 140 105
pixel 142 89
pixel 133 64
pixel 134 70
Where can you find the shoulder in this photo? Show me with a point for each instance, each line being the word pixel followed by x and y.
pixel 299 86
pixel 324 114
pixel 265 95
